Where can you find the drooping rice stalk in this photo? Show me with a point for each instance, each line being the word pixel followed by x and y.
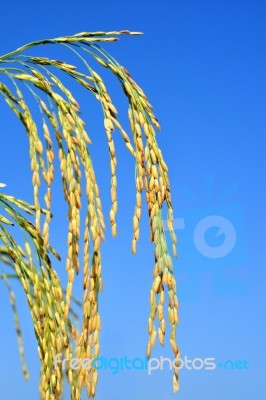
pixel 32 266
pixel 63 134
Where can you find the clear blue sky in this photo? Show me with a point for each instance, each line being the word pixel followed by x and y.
pixel 202 65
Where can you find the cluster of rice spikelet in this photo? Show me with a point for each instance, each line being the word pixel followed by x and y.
pixel 63 133
pixel 43 291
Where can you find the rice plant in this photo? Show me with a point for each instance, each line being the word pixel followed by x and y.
pixel 62 135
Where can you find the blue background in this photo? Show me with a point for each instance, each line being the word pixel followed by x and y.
pixel 202 65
